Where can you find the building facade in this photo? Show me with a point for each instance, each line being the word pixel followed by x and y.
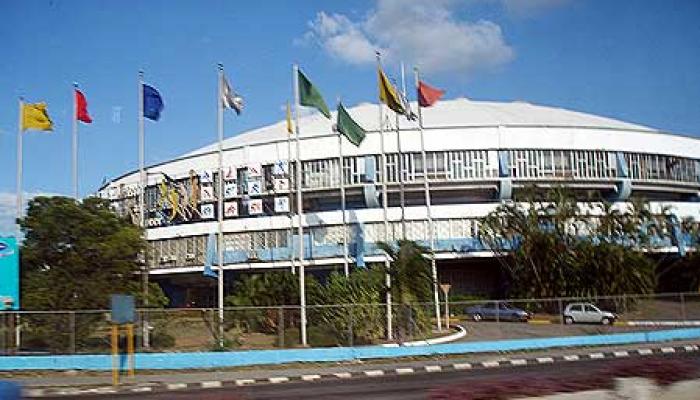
pixel 473 155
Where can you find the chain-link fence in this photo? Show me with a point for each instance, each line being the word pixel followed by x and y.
pixel 197 329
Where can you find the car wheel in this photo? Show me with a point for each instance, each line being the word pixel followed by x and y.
pixel 568 320
pixel 606 321
pixel 476 317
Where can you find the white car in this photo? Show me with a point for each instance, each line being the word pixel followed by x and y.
pixel 587 313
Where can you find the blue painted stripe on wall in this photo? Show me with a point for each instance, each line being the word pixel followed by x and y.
pixel 259 357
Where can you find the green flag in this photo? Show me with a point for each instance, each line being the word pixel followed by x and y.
pixel 310 97
pixel 348 127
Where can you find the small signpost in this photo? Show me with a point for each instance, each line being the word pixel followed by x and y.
pixel 122 315
pixel 445 287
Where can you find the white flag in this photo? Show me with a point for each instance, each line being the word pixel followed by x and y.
pixel 229 98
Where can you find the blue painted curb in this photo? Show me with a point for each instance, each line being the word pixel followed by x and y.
pixel 260 357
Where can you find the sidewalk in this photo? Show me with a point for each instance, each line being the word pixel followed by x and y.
pixel 272 373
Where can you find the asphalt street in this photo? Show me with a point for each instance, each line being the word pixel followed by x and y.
pixel 424 385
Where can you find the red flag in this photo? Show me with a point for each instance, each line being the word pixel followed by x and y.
pixel 81 112
pixel 428 95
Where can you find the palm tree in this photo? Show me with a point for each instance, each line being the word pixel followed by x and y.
pixel 561 247
pixel 411 284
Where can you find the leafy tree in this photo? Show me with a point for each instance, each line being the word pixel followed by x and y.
pixel 344 309
pixel 267 290
pixel 73 257
pixel 561 247
pixel 76 254
pixel 355 314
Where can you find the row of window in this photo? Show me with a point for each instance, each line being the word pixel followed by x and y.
pixel 191 251
pixel 572 164
pixel 483 164
pixel 443 166
pixel 597 164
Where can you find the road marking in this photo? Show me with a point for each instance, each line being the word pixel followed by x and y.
pixel 543 360
pixel 490 364
pixel 343 375
pixel 141 389
pixel 242 382
pixel 374 372
pixel 433 368
pixel 210 384
pixel 278 379
pixel 666 350
pixel 462 366
pixel 595 356
pixel 621 354
pixel 310 377
pixel 403 371
pixel 176 386
pixel 34 392
pixel 645 352
pixel 518 362
pixel 539 322
pixel 65 392
pixel 104 389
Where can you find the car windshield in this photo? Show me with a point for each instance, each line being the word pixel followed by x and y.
pixel 592 308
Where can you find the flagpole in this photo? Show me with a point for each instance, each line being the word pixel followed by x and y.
pixel 20 151
pixel 300 211
pixel 141 154
pixel 220 204
pixel 19 163
pixel 142 205
pixel 75 143
pixel 346 267
pixel 402 195
pixel 431 225
pixel 289 179
pixel 385 206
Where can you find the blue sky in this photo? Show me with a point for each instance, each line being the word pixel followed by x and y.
pixel 636 61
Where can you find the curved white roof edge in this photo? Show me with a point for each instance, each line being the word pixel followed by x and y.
pixel 452 124
pixel 455 113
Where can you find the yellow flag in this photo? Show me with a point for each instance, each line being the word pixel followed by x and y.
pixel 290 128
pixel 388 94
pixel 35 116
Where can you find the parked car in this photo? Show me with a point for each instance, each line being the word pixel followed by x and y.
pixel 500 311
pixel 587 313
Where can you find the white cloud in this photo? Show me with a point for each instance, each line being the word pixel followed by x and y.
pixel 427 34
pixel 341 38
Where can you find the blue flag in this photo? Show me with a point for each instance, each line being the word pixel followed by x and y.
pixel 211 257
pixel 152 103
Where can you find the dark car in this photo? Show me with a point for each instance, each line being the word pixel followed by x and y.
pixel 500 311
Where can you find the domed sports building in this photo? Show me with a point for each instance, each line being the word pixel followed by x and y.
pixel 476 155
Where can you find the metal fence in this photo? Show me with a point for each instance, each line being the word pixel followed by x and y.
pixel 196 329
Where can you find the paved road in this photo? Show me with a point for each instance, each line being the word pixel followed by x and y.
pixel 38 379
pixel 417 386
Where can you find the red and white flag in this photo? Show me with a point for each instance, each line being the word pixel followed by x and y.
pixel 81 111
pixel 428 95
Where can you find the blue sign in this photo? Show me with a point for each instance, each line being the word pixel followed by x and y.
pixel 9 274
pixel 123 309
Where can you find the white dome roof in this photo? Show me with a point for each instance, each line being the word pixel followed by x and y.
pixel 449 113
